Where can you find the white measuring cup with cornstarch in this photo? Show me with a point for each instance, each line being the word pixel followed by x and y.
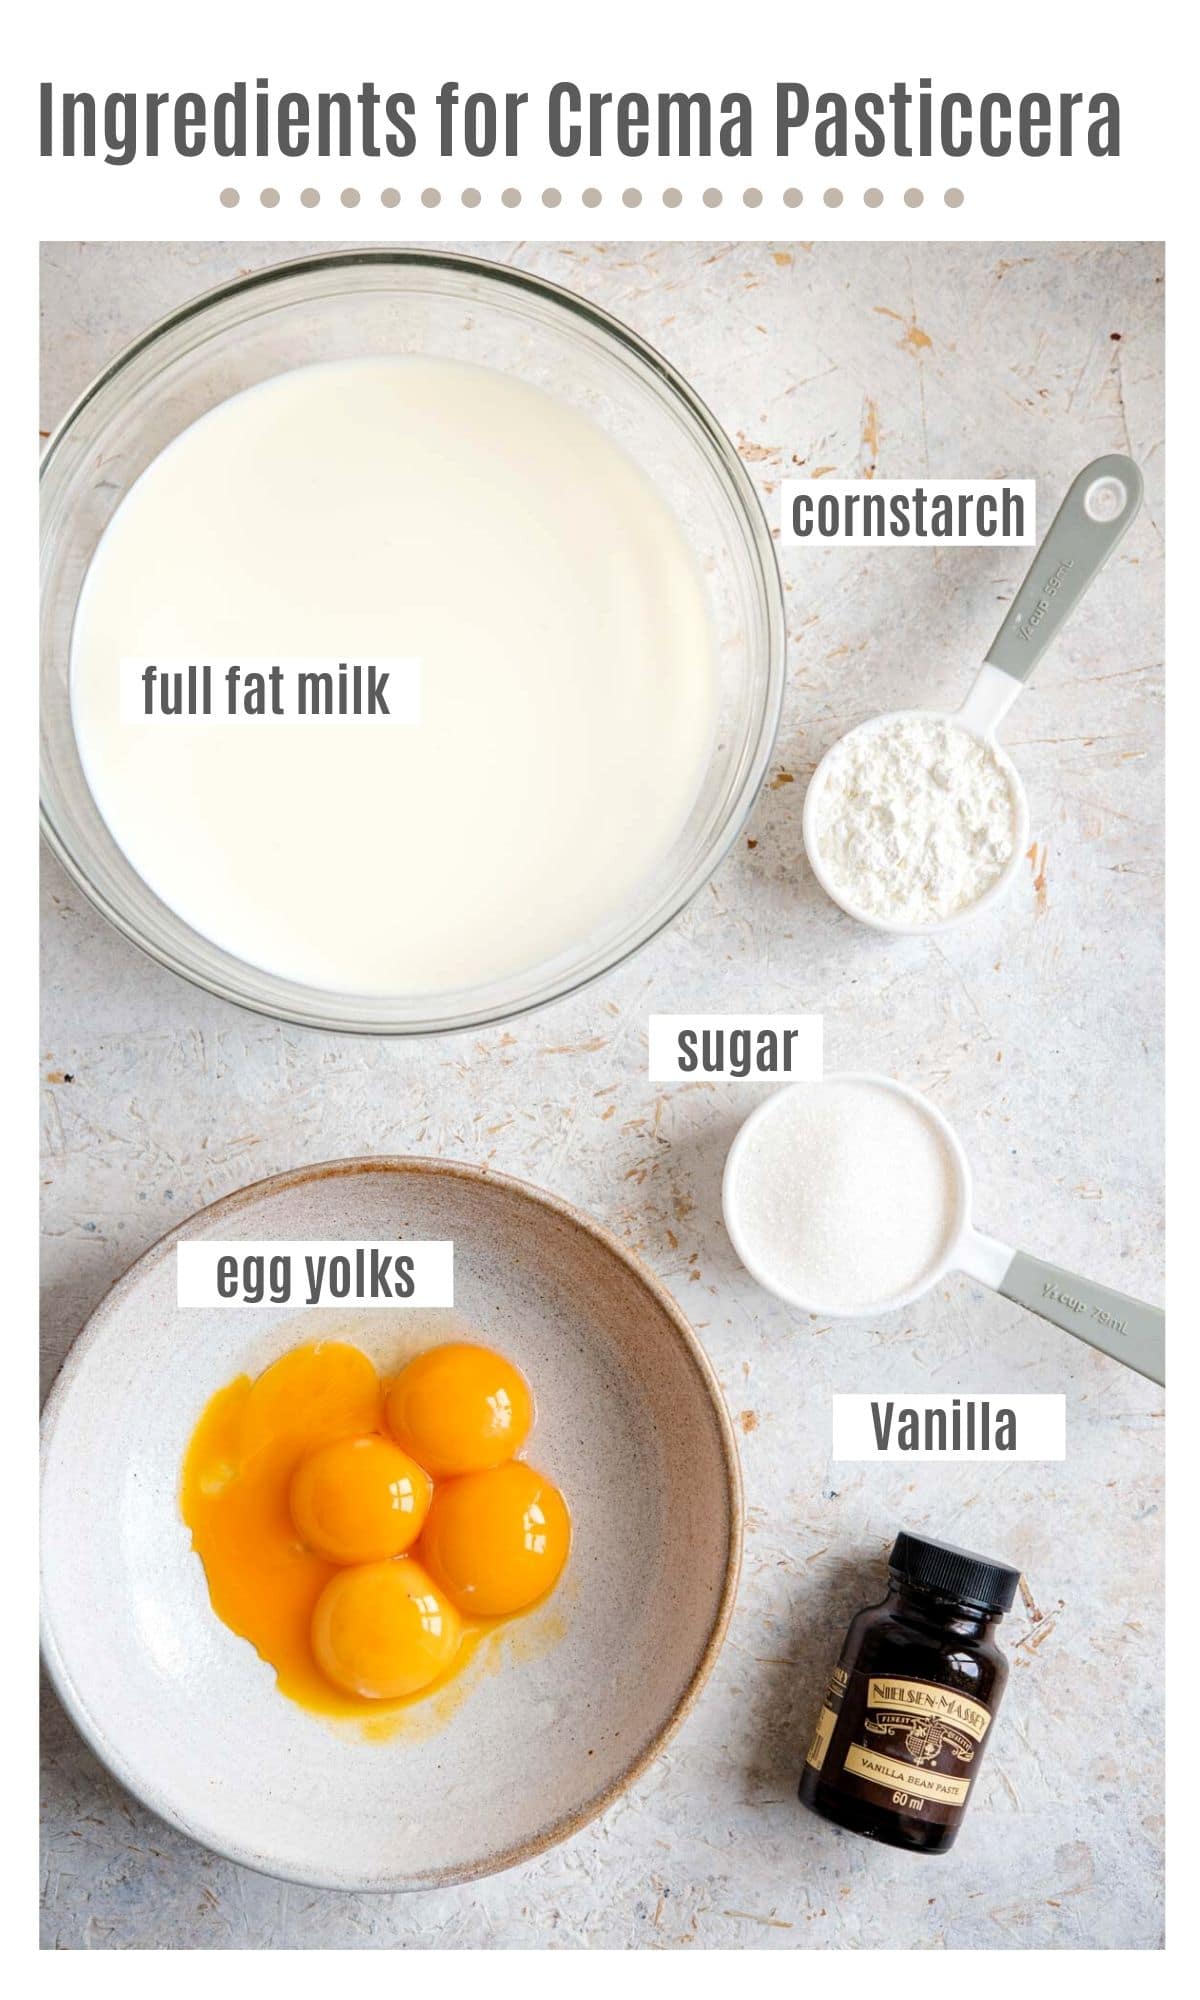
pixel 852 1197
pixel 917 819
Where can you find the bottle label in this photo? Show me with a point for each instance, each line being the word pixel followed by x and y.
pixel 912 1746
pixel 823 1732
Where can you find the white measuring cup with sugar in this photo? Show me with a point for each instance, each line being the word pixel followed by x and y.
pixel 1125 1328
pixel 1099 507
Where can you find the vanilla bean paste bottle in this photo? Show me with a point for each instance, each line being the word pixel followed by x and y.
pixel 911 1704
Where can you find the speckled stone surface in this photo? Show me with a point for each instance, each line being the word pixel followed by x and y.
pixel 1038 1031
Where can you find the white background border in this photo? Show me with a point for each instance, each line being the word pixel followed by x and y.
pixel 1149 193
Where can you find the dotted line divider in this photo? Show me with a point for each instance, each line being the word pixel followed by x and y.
pixel 591 197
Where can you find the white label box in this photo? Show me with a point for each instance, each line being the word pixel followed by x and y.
pixel 990 1425
pixel 308 1275
pixel 306 693
pixel 908 513
pixel 736 1047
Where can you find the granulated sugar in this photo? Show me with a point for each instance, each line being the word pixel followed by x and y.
pixel 915 819
pixel 844 1194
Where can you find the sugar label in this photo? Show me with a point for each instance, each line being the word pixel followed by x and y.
pixel 736 1047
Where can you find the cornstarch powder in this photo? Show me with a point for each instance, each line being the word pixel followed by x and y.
pixel 916 819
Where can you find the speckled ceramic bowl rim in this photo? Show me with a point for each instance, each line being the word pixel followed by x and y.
pixel 569 1823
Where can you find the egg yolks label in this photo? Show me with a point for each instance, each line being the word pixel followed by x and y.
pixel 315 1274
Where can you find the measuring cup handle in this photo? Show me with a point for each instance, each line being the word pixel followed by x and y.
pixel 1120 1326
pixel 1098 509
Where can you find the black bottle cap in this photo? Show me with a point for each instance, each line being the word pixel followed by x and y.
pixel 953 1573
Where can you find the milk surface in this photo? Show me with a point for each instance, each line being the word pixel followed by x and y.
pixel 401 507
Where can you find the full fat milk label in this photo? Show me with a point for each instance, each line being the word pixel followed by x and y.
pixel 313 1274
pixel 735 1047
pixel 259 692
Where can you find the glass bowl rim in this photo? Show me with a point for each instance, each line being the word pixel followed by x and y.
pixel 769 588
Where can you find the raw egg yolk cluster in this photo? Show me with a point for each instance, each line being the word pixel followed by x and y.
pixel 363 1535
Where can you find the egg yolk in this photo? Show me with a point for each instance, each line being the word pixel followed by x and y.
pixel 459 1408
pixel 383 1630
pixel 359 1500
pixel 262 1579
pixel 496 1541
pixel 324 1389
pixel 365 1568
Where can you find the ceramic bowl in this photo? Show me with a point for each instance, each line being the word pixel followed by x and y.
pixel 549 1726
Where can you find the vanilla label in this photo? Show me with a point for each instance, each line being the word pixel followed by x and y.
pixel 949 1427
pixel 927 1699
pixel 908 1746
pixel 894 1775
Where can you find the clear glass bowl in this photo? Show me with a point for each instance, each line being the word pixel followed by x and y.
pixel 377 302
